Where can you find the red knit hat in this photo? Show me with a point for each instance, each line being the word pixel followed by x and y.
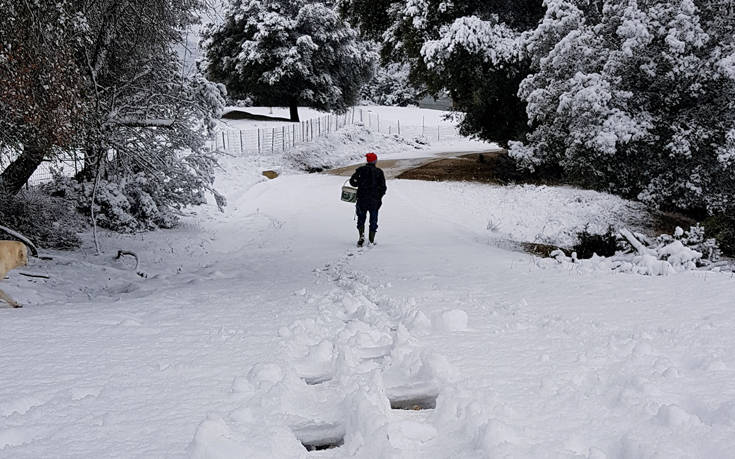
pixel 371 157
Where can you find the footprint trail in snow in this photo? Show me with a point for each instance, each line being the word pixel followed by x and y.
pixel 354 381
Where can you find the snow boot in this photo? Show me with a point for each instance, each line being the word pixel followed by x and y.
pixel 371 237
pixel 361 240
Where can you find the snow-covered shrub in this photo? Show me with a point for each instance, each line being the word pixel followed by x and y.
pixel 667 254
pixel 391 86
pixel 142 201
pixel 604 245
pixel 722 229
pixel 47 221
pixel 638 100
pixel 695 239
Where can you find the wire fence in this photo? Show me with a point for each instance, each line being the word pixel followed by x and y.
pixel 68 165
pixel 266 141
pixel 273 140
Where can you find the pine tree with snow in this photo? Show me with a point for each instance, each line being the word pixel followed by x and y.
pixel 288 53
pixel 391 86
pixel 450 48
pixel 637 100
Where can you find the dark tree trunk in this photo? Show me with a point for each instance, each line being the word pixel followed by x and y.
pixel 89 169
pixel 293 106
pixel 19 171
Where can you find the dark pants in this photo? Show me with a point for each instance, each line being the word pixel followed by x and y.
pixel 362 208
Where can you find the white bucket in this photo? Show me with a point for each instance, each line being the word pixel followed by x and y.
pixel 349 192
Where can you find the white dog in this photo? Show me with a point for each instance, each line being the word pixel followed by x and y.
pixel 12 255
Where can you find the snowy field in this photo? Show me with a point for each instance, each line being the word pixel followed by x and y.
pixel 264 327
pixel 408 115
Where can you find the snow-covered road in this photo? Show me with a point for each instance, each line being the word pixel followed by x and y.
pixel 264 328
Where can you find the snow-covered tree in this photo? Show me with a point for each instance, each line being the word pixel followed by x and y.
pixel 289 53
pixel 101 78
pixel 42 107
pixel 485 89
pixel 638 100
pixel 391 86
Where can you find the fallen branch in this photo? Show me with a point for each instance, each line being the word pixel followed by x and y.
pixel 91 207
pixel 120 253
pixel 42 276
pixel 640 248
pixel 23 239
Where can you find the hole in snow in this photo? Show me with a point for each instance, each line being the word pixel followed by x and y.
pixel 318 437
pixel 414 403
pixel 314 380
pixel 322 444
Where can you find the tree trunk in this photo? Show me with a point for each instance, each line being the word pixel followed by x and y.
pixel 19 171
pixel 294 108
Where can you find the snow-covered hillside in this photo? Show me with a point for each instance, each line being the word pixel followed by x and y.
pixel 264 327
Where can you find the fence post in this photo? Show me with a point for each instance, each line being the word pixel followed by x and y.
pixel 273 139
pixel 437 133
pixel 258 140
pixel 224 147
pixel 293 136
pixel 241 142
pixel 319 126
pixel 399 127
pixel 378 122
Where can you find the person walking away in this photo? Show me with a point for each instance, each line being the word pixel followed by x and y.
pixel 370 183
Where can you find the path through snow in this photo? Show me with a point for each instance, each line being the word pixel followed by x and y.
pixel 264 328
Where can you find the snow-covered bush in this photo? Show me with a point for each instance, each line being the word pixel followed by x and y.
pixel 604 245
pixel 47 221
pixel 144 200
pixel 391 86
pixel 667 254
pixel 638 100
pixel 722 228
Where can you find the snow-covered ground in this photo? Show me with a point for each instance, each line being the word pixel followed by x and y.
pixel 264 327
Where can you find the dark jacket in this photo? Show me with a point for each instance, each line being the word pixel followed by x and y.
pixel 370 183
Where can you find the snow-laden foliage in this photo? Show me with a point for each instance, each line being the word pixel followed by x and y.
pixel 471 50
pixel 102 80
pixel 391 86
pixel 288 53
pixel 48 221
pixel 638 101
pixel 667 254
pixel 128 201
pixel 495 43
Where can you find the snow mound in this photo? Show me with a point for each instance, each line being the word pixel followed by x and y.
pixel 670 255
pixel 345 146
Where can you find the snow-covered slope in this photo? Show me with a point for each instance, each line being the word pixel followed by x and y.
pixel 264 327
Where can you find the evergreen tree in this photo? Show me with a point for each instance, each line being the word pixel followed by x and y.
pixel 637 100
pixel 288 53
pixel 480 85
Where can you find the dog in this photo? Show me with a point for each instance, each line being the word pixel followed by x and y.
pixel 12 255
